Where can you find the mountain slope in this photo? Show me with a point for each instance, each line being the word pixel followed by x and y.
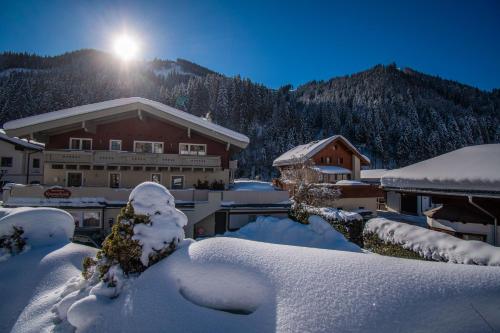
pixel 397 117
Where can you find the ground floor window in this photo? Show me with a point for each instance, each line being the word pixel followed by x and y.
pixel 156 177
pixel 87 219
pixel 74 179
pixel 177 182
pixel 114 180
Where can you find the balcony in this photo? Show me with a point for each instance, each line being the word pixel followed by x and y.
pixel 105 157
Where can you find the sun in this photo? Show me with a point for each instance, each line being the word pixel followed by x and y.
pixel 126 47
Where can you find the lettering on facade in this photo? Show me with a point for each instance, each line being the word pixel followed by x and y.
pixel 59 193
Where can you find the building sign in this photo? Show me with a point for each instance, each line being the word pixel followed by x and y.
pixel 59 193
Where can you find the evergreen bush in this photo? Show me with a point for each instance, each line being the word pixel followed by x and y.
pixel 13 243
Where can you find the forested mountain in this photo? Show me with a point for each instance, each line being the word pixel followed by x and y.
pixel 394 116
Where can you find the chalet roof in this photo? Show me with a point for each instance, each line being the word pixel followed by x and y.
pixel 20 142
pixel 469 170
pixel 29 125
pixel 373 173
pixel 302 153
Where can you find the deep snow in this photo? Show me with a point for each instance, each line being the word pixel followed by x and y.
pixel 318 233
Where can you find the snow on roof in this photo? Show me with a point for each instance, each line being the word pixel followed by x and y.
pixel 304 152
pixel 89 108
pixel 470 169
pixel 373 173
pixel 332 170
pixel 21 142
pixel 252 185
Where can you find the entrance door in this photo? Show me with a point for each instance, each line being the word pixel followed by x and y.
pixel 74 179
pixel 409 204
pixel 220 223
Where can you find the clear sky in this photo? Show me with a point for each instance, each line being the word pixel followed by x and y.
pixel 274 42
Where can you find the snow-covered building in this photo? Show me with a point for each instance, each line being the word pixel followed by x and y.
pixel 328 160
pixel 459 192
pixel 95 154
pixel 20 161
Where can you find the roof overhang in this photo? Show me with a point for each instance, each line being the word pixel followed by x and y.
pixel 87 116
pixel 445 192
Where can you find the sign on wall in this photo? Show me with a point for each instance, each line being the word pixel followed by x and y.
pixel 59 193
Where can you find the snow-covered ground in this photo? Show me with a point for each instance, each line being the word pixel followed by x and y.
pixel 226 284
pixel 318 233
pixel 252 185
pixel 433 244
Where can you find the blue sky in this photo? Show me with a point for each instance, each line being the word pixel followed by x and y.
pixel 274 42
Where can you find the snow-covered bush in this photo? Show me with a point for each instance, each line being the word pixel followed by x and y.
pixel 147 230
pixel 13 243
pixel 402 240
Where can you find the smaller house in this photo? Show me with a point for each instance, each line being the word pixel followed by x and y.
pixel 459 192
pixel 332 160
pixel 20 161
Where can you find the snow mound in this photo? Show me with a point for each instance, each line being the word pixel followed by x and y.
pixel 155 201
pixel 334 214
pixel 222 287
pixel 318 233
pixel 42 226
pixel 434 244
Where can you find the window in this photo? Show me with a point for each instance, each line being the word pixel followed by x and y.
pixel 114 180
pixel 80 144
pixel 148 147
pixel 74 179
pixel 98 167
pixel 156 177
pixel 36 163
pixel 115 145
pixel 6 162
pixel 77 217
pixel 192 149
pixel 341 160
pixel 177 182
pixel 57 166
pixel 71 166
pixel 91 220
pixel 84 167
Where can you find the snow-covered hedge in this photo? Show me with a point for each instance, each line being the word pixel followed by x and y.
pixel 432 245
pixel 35 227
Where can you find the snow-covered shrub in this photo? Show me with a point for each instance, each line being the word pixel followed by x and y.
pixel 385 236
pixel 147 230
pixel 373 243
pixel 12 243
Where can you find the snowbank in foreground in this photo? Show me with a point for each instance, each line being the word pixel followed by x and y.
pixel 30 284
pixel 209 286
pixel 318 233
pixel 433 244
pixel 42 226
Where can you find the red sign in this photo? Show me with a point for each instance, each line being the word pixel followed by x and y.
pixel 60 193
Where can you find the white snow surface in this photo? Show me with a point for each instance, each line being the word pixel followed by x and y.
pixel 349 182
pixel 434 244
pixel 252 185
pixel 373 173
pixel 331 170
pixel 304 152
pixel 284 288
pixel 318 233
pixel 469 169
pixel 167 222
pixel 89 108
pixel 42 226
pixel 334 214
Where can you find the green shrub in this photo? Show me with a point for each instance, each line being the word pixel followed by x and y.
pixel 13 243
pixel 375 244
pixel 119 248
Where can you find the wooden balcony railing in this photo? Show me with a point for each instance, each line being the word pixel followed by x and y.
pixel 105 157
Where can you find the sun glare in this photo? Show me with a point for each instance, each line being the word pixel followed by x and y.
pixel 126 47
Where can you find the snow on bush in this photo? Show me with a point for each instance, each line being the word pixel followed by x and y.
pixel 317 233
pixel 35 226
pixel 148 229
pixel 433 245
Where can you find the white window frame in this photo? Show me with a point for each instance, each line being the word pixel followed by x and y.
pixel 80 145
pixel 189 148
pixel 156 173
pixel 152 143
pixel 172 183
pixel 110 145
pixel 67 178
pixel 119 180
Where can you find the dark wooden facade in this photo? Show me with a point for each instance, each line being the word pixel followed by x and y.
pixel 335 153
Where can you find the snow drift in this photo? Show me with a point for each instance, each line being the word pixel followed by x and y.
pixel 434 245
pixel 318 233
